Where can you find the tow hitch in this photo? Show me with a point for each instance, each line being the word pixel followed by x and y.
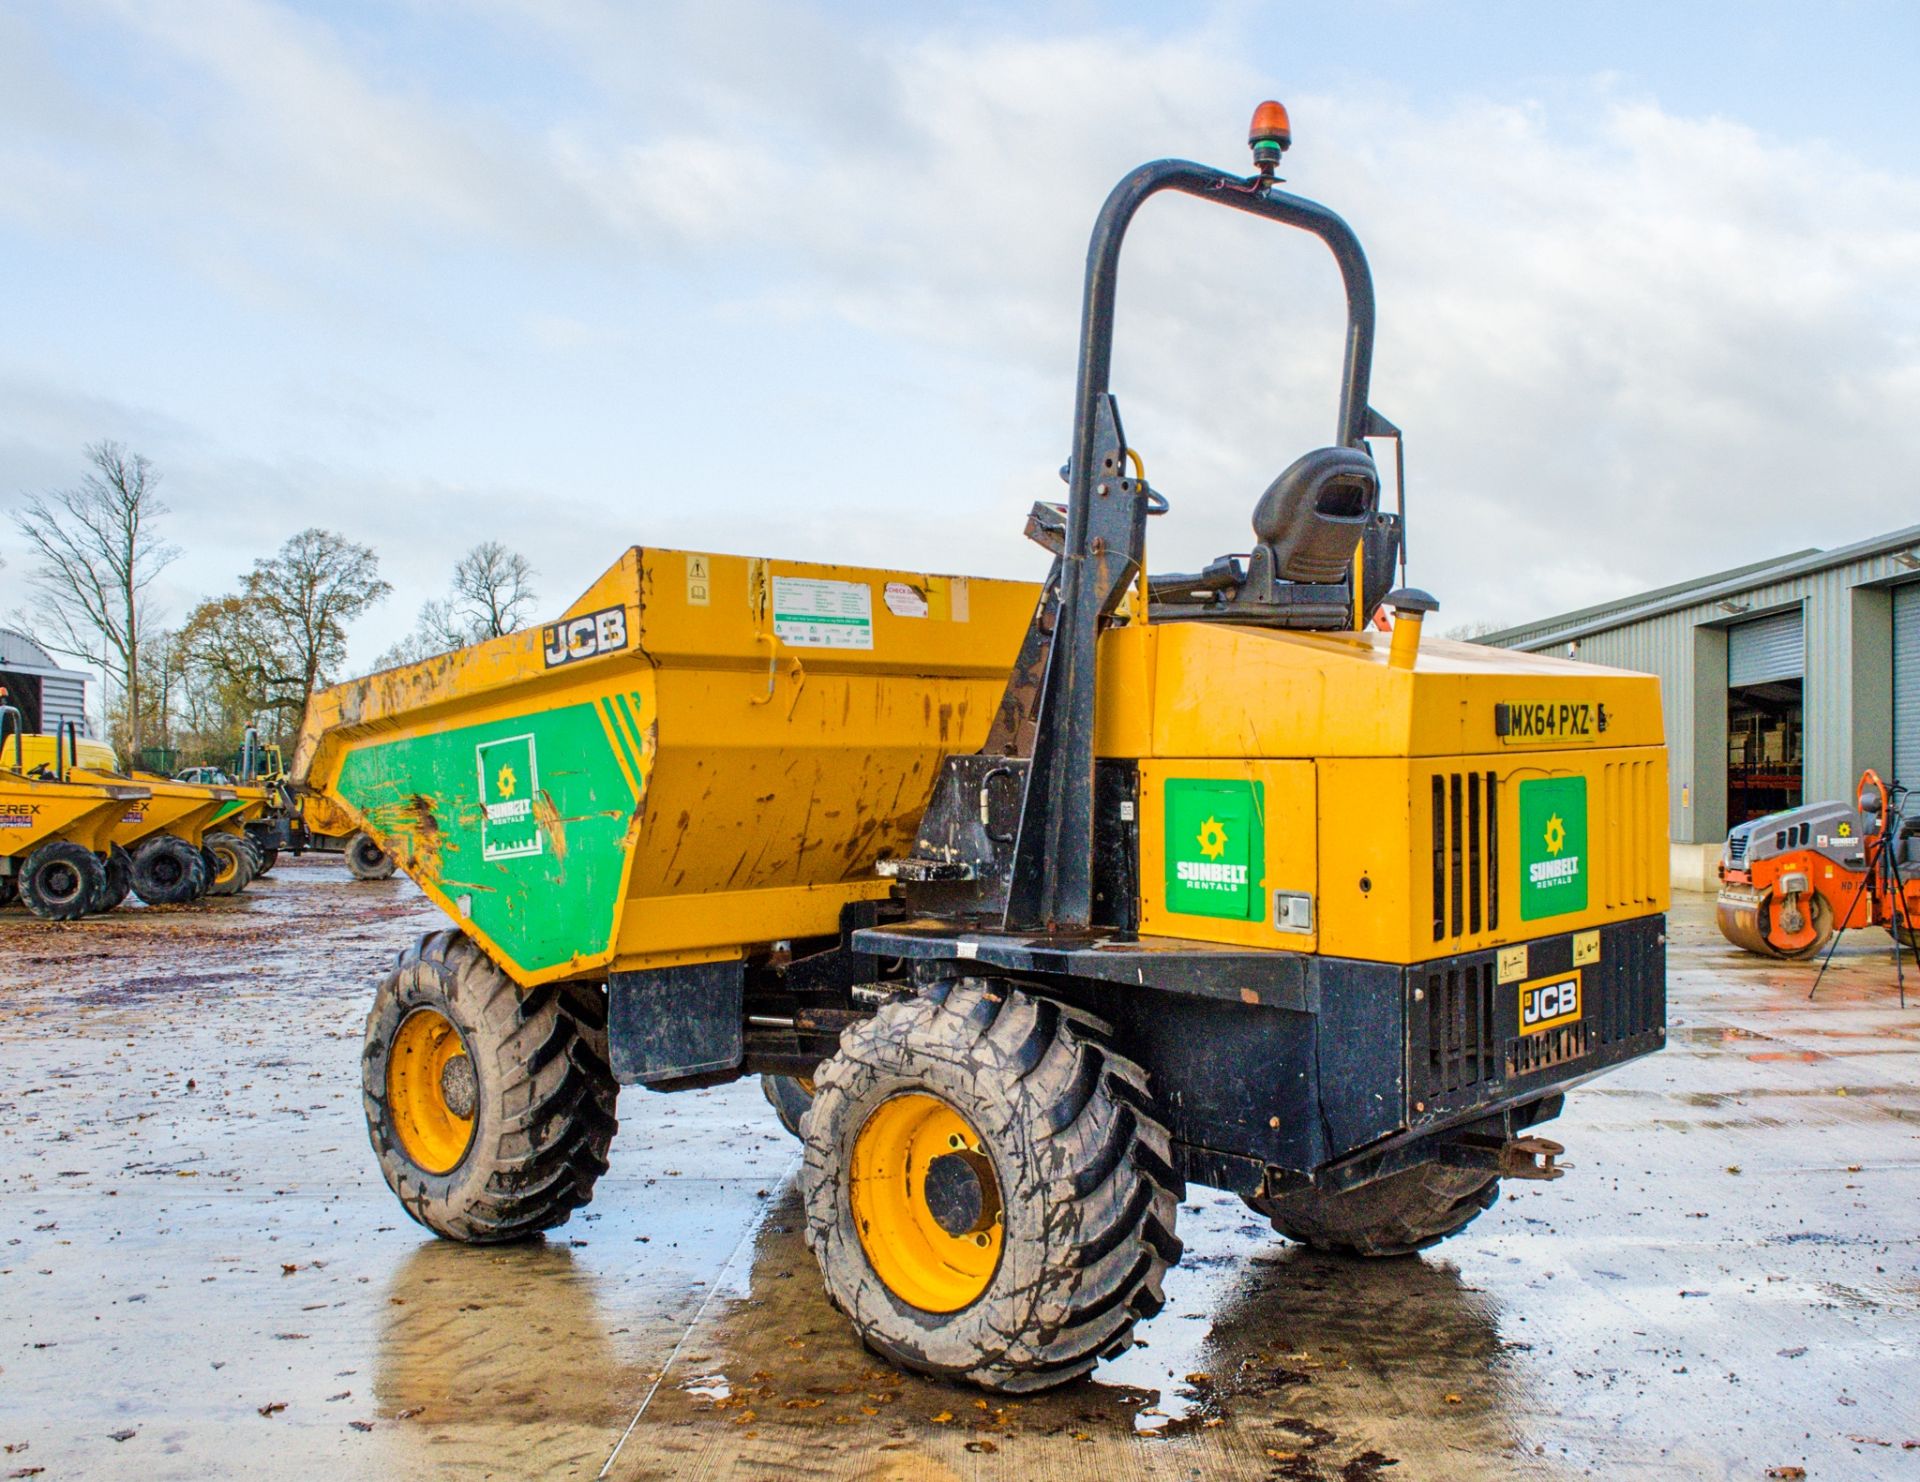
pixel 1531 1157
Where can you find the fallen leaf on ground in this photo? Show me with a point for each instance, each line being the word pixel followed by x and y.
pixel 943 1417
pixel 121 1435
pixel 273 1407
pixel 1787 1473
pixel 984 1447
pixel 361 1425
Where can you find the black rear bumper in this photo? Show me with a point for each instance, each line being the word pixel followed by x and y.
pixel 1465 1049
pixel 1270 1067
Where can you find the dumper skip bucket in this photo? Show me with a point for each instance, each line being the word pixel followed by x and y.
pixel 705 755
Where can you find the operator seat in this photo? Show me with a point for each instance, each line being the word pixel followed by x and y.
pixel 1300 573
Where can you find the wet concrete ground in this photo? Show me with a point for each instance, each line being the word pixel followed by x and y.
pixel 202 1274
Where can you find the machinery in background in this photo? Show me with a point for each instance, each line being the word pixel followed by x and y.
pixel 172 841
pixel 57 852
pixel 293 818
pixel 181 841
pixel 317 825
pixel 1789 881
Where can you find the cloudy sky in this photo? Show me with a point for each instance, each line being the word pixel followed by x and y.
pixel 802 279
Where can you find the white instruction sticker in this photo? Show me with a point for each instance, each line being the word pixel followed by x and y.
pixel 904 600
pixel 822 614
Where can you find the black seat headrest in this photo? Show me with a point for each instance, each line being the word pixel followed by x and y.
pixel 1315 513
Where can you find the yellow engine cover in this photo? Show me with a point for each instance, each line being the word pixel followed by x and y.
pixel 1300 792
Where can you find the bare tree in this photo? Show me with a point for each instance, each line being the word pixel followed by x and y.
pixel 491 595
pixel 305 596
pixel 97 553
pixel 1471 632
pixel 492 591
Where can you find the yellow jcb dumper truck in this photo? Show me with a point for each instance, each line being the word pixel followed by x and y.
pixel 1038 902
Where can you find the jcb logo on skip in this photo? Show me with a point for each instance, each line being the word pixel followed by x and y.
pixel 585 637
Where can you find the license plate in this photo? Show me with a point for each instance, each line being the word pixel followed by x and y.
pixel 1547 1003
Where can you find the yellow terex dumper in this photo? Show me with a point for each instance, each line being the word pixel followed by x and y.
pixel 164 848
pixel 57 835
pixel 1039 900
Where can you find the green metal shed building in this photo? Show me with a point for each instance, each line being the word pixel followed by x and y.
pixel 1781 680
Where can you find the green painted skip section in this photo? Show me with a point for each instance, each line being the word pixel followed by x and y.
pixel 524 818
pixel 228 809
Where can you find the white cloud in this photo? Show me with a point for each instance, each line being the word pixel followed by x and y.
pixel 1628 345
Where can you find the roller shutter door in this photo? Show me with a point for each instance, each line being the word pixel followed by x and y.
pixel 1766 649
pixel 1906 684
pixel 63 698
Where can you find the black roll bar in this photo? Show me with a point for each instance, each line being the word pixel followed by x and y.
pixel 1051 886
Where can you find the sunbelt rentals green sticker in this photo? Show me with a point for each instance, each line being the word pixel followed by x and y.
pixel 509 777
pixel 1553 847
pixel 1215 848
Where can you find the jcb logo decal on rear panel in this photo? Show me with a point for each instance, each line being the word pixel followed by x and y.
pixel 509 778
pixel 1215 847
pixel 1553 846
pixel 597 633
pixel 1547 1003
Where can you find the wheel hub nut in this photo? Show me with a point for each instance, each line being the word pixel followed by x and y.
pixel 962 1194
pixel 457 1086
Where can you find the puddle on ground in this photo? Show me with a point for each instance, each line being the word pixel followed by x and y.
pixel 1257 1334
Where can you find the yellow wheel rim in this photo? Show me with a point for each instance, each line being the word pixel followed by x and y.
pixel 926 1202
pixel 429 1095
pixel 226 864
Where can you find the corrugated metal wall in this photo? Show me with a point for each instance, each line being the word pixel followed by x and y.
pixel 1666 645
pixel 1906 684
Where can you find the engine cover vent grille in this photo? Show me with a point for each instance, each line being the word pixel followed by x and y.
pixel 1466 854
